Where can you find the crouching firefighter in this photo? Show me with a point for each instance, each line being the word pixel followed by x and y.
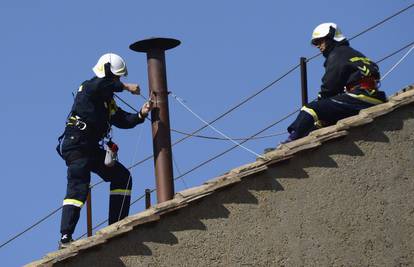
pixel 89 122
pixel 350 84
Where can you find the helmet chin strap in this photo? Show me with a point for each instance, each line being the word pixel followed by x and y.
pixel 108 72
pixel 331 33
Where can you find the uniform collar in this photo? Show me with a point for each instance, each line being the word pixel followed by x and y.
pixel 333 45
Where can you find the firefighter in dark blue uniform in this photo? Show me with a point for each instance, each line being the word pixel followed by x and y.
pixel 349 84
pixel 93 112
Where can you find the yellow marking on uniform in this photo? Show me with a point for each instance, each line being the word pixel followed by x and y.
pixel 125 192
pixel 311 112
pixel 73 202
pixel 364 60
pixel 367 99
pixel 364 70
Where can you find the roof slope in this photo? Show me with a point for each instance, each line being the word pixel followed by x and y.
pixel 283 153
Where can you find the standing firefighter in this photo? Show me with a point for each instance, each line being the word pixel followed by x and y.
pixel 350 83
pixel 93 112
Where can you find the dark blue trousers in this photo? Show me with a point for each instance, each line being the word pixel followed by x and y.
pixel 79 175
pixel 328 111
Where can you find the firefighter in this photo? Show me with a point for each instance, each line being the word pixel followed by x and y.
pixel 350 83
pixel 89 122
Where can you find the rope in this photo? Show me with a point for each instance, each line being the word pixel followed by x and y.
pixel 214 128
pixel 398 63
pixel 179 172
pixel 129 178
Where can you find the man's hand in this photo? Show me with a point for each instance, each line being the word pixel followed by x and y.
pixel 146 108
pixel 133 88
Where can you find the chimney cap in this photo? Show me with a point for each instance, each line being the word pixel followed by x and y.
pixel 149 44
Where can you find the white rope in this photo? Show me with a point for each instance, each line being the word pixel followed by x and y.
pixel 179 172
pixel 129 178
pixel 214 128
pixel 398 62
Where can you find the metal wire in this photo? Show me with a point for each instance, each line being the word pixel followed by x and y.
pixel 237 139
pixel 396 52
pixel 381 22
pixel 30 227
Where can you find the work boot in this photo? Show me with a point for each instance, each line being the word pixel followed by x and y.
pixel 65 241
pixel 292 136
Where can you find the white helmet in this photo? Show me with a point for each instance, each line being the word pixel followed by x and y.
pixel 324 30
pixel 117 64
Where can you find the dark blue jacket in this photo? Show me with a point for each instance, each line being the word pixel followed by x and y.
pixel 345 66
pixel 95 106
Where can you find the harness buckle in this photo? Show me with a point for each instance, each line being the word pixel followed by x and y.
pixel 77 122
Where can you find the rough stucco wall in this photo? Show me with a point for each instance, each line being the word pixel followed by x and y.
pixel 347 203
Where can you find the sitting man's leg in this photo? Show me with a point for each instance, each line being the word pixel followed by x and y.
pixel 306 121
pixel 324 112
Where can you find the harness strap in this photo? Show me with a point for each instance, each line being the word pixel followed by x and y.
pixel 59 146
pixel 367 83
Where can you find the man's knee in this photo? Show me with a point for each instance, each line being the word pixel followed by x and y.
pixel 122 179
pixel 78 182
pixel 78 169
pixel 125 173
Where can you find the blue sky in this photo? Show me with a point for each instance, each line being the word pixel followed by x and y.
pixel 230 50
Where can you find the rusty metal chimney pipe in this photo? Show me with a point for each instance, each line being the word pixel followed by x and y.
pixel 155 50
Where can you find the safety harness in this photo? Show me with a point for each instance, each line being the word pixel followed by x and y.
pixel 76 121
pixel 366 83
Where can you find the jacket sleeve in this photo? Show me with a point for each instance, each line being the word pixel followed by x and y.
pixel 125 120
pixel 110 85
pixel 332 81
pixel 103 87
